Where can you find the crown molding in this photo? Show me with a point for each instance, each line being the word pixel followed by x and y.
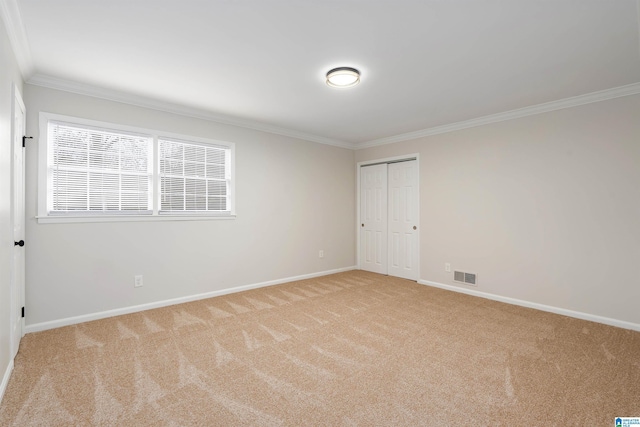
pixel 17 36
pixel 112 95
pixel 141 101
pixel 603 95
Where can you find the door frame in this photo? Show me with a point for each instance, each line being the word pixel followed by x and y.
pixel 17 101
pixel 405 157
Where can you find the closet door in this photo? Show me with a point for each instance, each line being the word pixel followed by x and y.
pixel 403 220
pixel 373 218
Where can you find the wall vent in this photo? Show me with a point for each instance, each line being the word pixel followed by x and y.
pixel 470 279
pixel 458 276
pixel 466 278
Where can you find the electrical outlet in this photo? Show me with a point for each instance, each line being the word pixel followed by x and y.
pixel 137 281
pixel 447 267
pixel 321 254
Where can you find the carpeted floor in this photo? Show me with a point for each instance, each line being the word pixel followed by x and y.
pixel 349 349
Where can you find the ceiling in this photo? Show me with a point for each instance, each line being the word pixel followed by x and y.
pixel 425 64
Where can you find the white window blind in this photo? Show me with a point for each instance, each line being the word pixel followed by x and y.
pixel 92 170
pixel 194 177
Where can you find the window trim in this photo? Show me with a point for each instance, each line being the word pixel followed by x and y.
pixel 44 217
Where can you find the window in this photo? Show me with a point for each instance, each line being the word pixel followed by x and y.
pixel 96 171
pixel 193 177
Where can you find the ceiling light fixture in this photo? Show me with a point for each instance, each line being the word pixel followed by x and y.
pixel 343 77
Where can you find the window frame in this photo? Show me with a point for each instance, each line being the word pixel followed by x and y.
pixel 43 215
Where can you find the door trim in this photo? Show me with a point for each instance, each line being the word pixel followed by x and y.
pixel 393 159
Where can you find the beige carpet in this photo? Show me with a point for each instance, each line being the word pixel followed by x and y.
pixel 349 349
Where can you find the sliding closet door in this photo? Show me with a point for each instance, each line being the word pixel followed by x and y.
pixel 373 218
pixel 403 220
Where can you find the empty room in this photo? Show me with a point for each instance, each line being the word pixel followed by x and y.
pixel 327 213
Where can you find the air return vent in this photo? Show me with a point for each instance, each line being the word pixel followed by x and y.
pixel 466 278
pixel 470 279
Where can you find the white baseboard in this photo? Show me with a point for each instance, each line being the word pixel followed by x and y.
pixel 5 379
pixel 37 327
pixel 542 307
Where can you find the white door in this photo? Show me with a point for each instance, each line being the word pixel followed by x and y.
pixel 403 220
pixel 18 220
pixel 373 218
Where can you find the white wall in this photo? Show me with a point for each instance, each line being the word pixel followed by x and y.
pixel 9 75
pixel 544 208
pixel 293 198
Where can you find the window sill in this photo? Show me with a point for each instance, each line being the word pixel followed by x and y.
pixel 127 218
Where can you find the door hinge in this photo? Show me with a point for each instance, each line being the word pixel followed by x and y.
pixel 24 140
pixel 22 311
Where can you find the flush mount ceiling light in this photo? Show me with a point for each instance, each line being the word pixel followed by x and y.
pixel 343 77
